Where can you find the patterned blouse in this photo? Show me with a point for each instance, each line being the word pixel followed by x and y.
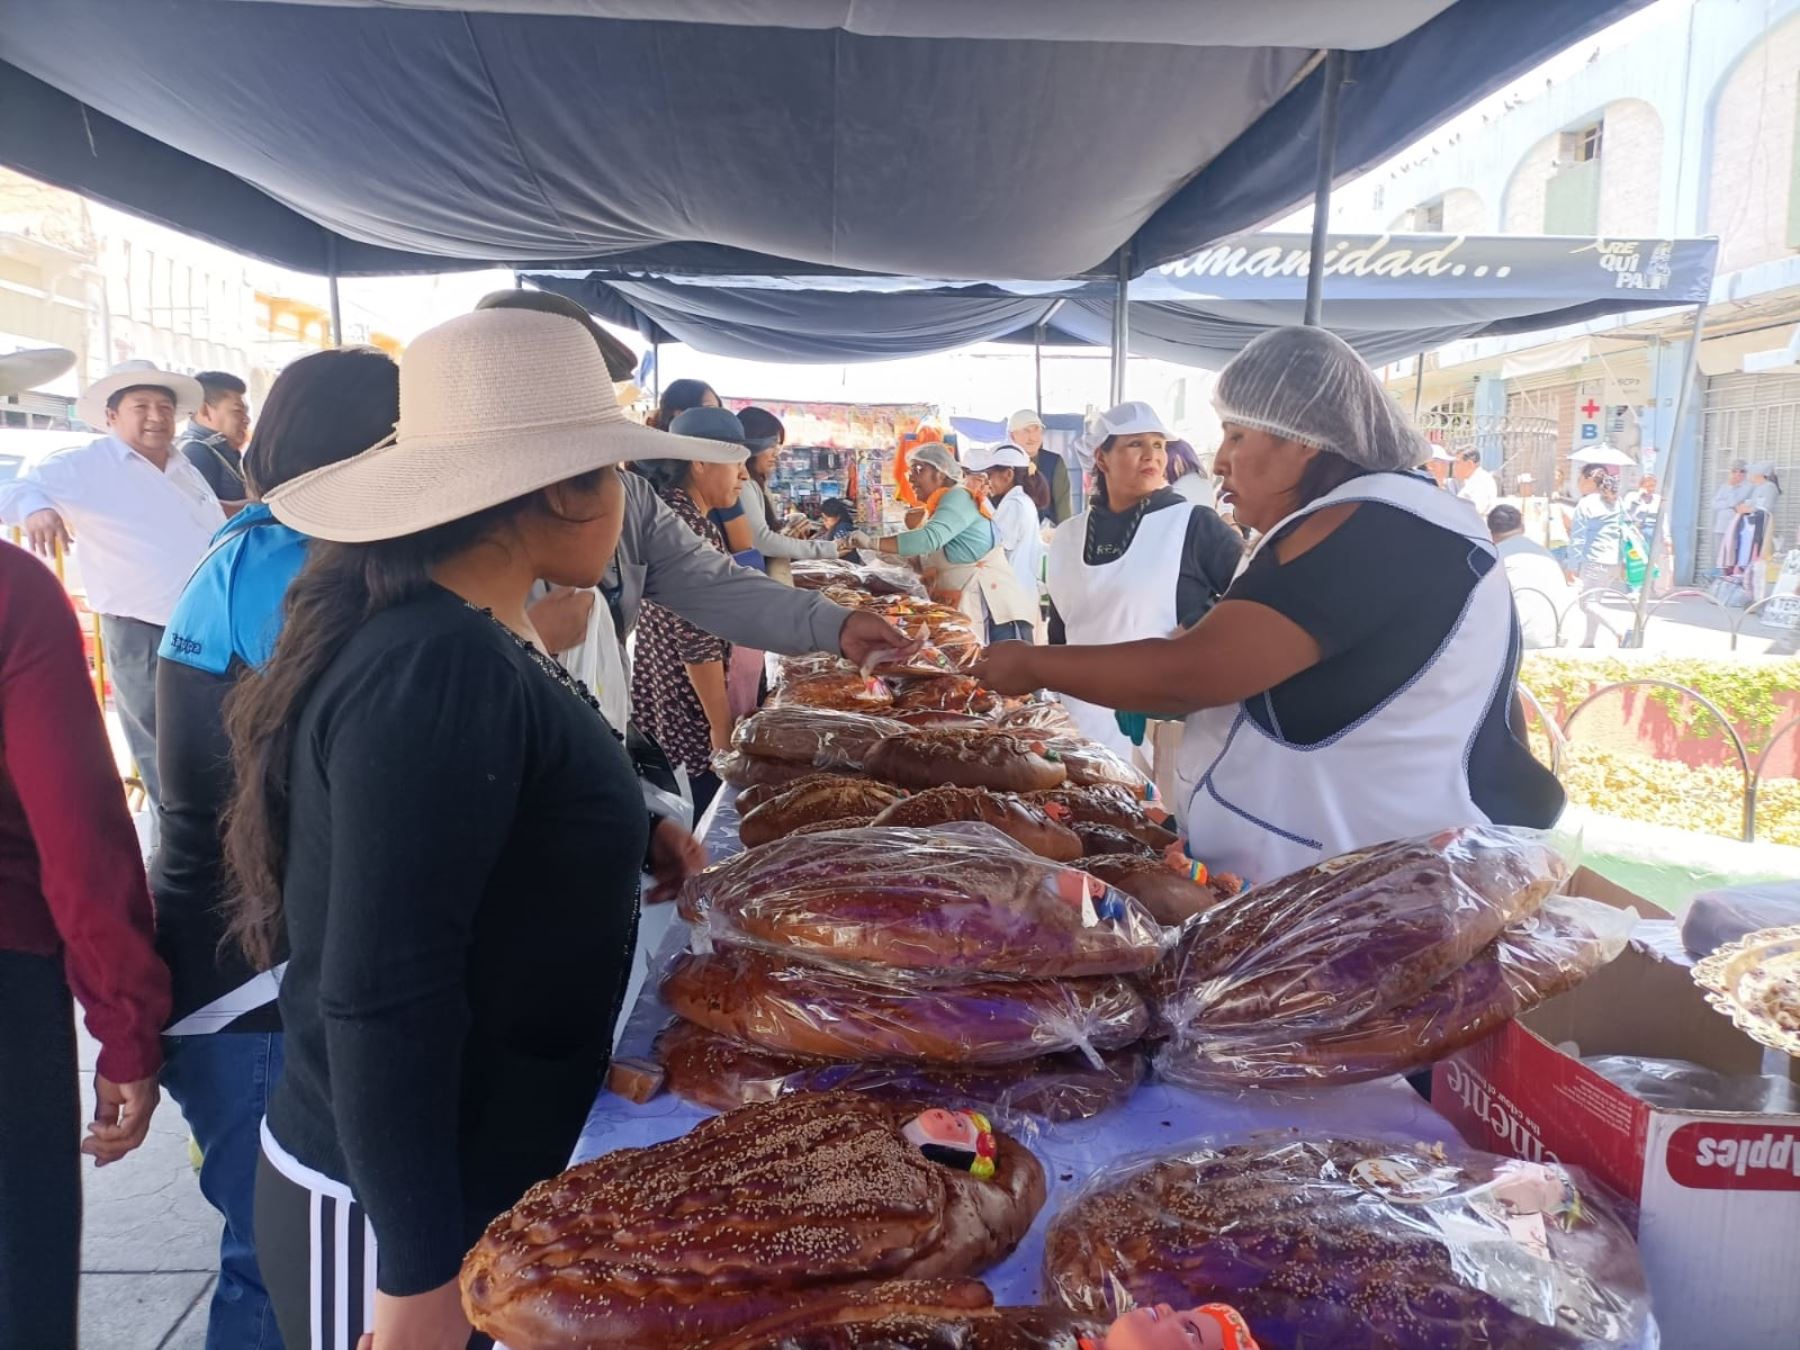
pixel 664 705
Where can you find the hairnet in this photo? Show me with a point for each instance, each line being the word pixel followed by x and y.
pixel 937 455
pixel 1308 385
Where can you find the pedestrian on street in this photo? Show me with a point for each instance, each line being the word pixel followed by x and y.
pixel 216 435
pixel 1474 484
pixel 1596 546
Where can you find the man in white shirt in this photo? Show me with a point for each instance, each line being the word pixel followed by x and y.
pixel 1474 484
pixel 142 517
pixel 1541 591
pixel 1016 524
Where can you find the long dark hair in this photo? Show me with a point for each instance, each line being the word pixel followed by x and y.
pixel 321 409
pixel 341 587
pixel 678 398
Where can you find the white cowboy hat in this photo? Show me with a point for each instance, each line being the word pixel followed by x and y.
pixel 493 405
pixel 184 389
pixel 20 371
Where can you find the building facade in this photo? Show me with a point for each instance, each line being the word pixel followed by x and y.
pixel 1682 121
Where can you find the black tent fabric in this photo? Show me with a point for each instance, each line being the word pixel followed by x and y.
pixel 380 136
pixel 1387 295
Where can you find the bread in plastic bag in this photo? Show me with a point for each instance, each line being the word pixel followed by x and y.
pixel 926 900
pixel 869 578
pixel 749 798
pixel 826 738
pixel 1104 804
pixel 778 1003
pixel 1109 841
pixel 1035 825
pixel 1682 1085
pixel 753 771
pixel 1542 955
pixel 1354 1244
pixel 857 799
pixel 915 1315
pixel 1172 897
pixel 722 1073
pixel 946 693
pixel 847 691
pixel 1716 918
pixel 1091 765
pixel 1046 717
pixel 957 757
pixel 1328 945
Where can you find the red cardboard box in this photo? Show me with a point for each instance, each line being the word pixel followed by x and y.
pixel 1718 1193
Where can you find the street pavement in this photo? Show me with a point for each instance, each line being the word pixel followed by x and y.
pixel 150 1243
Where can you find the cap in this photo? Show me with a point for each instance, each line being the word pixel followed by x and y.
pixel 1025 417
pixel 709 424
pixel 1006 455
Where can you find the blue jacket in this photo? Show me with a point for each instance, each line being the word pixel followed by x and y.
pixel 232 604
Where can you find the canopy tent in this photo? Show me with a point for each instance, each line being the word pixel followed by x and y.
pixel 1391 295
pixel 907 137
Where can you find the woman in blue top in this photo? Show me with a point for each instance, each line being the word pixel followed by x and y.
pixel 1596 538
pixel 962 559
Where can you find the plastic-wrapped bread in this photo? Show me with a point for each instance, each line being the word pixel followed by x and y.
pixel 1043 719
pixel 748 799
pixel 1171 897
pixel 916 1315
pixel 808 803
pixel 955 757
pixel 825 738
pixel 1031 824
pixel 1325 947
pixel 847 691
pixel 1091 765
pixel 723 1073
pixel 1105 804
pixel 947 693
pixel 755 771
pixel 1109 841
pixel 959 901
pixel 1542 955
pixel 684 1242
pixel 800 1009
pixel 1358 1244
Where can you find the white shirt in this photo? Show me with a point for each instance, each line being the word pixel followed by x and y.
pixel 1197 488
pixel 1480 491
pixel 1532 567
pixel 139 531
pixel 1016 527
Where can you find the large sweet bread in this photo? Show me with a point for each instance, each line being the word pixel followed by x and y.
pixel 681 1243
pixel 955 757
pixel 1355 1245
pixel 923 900
pixel 947 693
pixel 723 1073
pixel 799 1009
pixel 824 737
pixel 847 691
pixel 748 799
pixel 1327 946
pixel 1090 765
pixel 1537 958
pixel 752 771
pixel 1109 841
pixel 1171 898
pixel 1043 719
pixel 1033 825
pixel 916 1315
pixel 1105 804
pixel 809 803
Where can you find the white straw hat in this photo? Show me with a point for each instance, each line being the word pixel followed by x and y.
pixel 493 405
pixel 20 371
pixel 184 389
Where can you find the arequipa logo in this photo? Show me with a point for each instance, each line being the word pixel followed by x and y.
pixel 1513 1131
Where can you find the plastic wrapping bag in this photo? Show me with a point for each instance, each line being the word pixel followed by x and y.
pixel 847 691
pixel 1006 761
pixel 852 801
pixel 1535 959
pixel 1325 947
pixel 963 904
pixel 1356 1244
pixel 1091 765
pixel 1718 917
pixel 722 1073
pixel 1047 718
pixel 799 1008
pixel 748 771
pixel 1682 1085
pixel 826 738
pixel 915 1315
pixel 947 693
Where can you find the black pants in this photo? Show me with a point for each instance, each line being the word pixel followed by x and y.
pixel 40 1158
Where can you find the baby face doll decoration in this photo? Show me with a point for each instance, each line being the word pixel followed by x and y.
pixel 960 1139
pixel 1212 1327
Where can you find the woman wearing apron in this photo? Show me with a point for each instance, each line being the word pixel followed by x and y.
pixel 1142 561
pixel 1356 682
pixel 963 562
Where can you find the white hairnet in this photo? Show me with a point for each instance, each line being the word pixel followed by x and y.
pixel 1308 385
pixel 938 456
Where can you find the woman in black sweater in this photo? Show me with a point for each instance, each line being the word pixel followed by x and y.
pixel 444 826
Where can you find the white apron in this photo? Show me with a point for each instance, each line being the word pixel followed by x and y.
pixel 1129 598
pixel 984 589
pixel 1263 807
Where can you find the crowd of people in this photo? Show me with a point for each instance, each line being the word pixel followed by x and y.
pixel 391 913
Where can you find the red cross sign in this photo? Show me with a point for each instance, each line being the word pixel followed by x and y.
pixel 1590 409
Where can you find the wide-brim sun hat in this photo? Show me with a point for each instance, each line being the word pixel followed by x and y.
pixel 494 405
pixel 184 389
pixel 20 371
pixel 621 361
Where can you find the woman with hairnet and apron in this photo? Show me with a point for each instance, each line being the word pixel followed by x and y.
pixel 1141 561
pixel 1356 682
pixel 961 557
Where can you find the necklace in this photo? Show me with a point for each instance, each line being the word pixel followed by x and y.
pixel 549 665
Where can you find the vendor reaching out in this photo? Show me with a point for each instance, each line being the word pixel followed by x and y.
pixel 963 562
pixel 1141 562
pixel 1356 682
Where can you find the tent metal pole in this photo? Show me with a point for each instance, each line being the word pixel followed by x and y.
pixel 1121 325
pixel 656 369
pixel 1328 130
pixel 1037 367
pixel 1666 465
pixel 331 286
pixel 1419 387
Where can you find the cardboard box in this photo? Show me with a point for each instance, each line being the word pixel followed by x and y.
pixel 1718 1194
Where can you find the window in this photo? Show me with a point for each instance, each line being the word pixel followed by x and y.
pixel 1428 217
pixel 1581 145
pixel 1572 194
